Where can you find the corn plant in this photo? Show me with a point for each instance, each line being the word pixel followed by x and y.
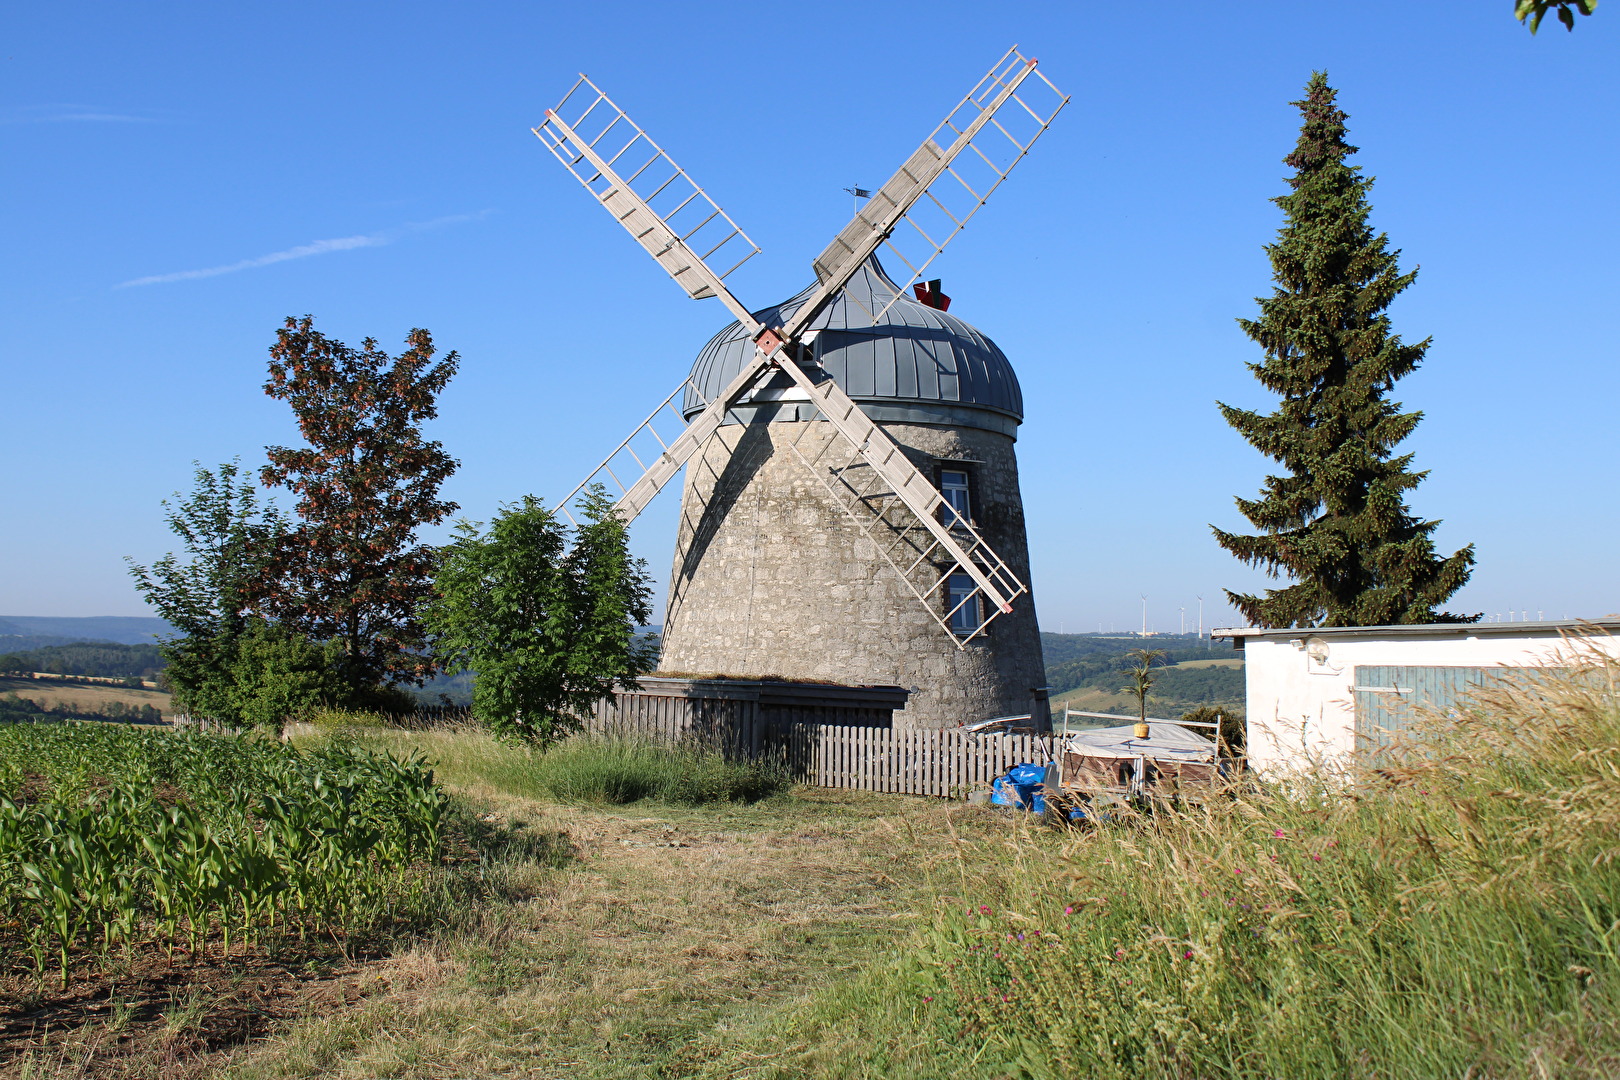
pixel 110 833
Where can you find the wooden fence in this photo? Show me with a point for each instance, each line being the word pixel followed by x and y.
pixel 827 736
pixel 905 761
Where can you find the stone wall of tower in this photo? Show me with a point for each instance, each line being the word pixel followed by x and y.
pixel 772 578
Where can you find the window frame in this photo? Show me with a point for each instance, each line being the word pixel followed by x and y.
pixel 967 613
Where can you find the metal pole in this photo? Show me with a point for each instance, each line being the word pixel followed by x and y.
pixel 1200 616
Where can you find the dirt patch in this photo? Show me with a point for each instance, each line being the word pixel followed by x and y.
pixel 161 1021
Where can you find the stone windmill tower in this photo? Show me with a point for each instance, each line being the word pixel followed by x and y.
pixel 851 508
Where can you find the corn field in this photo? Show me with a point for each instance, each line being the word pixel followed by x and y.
pixel 116 840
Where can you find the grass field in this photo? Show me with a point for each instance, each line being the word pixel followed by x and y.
pixel 1230 662
pixel 1456 914
pixel 91 696
pixel 610 942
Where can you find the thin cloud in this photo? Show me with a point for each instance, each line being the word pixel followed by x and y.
pixel 304 251
pixel 69 114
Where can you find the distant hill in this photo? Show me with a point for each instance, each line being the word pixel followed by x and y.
pixel 104 658
pixel 122 629
pixel 1087 671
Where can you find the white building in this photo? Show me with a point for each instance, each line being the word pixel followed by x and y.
pixel 1319 694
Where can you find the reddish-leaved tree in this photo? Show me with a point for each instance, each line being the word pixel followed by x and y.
pixel 352 570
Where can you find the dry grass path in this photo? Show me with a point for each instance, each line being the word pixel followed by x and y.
pixel 668 927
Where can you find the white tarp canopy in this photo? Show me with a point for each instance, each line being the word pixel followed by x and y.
pixel 1165 741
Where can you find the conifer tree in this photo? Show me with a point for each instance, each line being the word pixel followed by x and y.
pixel 1336 522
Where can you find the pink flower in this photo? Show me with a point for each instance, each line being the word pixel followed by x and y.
pixel 1239 873
pixel 1279 834
pixel 1318 858
pixel 930 997
pixel 1187 955
pixel 1069 910
pixel 984 909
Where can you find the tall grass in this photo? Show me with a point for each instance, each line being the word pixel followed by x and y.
pixel 1456 912
pixel 614 768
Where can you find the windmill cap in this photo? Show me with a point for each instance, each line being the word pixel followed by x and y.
pixel 916 364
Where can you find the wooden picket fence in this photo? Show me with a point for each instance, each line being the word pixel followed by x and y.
pixel 905 761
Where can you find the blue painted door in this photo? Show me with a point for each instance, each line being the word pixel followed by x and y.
pixel 1387 697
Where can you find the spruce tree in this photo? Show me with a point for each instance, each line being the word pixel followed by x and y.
pixel 1336 522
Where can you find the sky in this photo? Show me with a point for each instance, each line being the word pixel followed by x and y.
pixel 181 177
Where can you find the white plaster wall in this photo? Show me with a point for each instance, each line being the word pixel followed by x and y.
pixel 1300 711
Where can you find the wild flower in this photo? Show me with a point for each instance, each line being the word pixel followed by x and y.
pixel 1278 833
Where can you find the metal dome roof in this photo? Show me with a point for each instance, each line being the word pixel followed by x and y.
pixel 917 364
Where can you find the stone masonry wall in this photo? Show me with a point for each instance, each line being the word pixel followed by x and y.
pixel 772 578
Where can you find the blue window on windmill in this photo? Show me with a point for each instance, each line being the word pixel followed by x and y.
pixel 962 604
pixel 953 485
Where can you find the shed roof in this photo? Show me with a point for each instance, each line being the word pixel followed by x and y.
pixel 915 364
pixel 1239 634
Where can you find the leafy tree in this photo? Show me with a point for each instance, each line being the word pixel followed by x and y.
pixel 1534 11
pixel 278 674
pixel 548 626
pixel 1337 522
pixel 352 571
pixel 229 537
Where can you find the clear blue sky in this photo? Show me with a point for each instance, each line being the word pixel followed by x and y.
pixel 371 164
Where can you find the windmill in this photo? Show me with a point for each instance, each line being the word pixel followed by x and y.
pixel 776 375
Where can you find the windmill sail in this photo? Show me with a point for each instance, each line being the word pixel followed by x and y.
pixel 949 177
pixel 646 192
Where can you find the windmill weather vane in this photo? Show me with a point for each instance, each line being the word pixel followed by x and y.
pixel 912 216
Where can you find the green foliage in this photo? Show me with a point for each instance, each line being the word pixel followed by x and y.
pixel 1533 11
pixel 345 719
pixel 277 674
pixel 351 571
pixel 592 769
pixel 103 658
pixel 229 536
pixel 111 836
pixel 1232 733
pixel 548 625
pixel 1337 522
